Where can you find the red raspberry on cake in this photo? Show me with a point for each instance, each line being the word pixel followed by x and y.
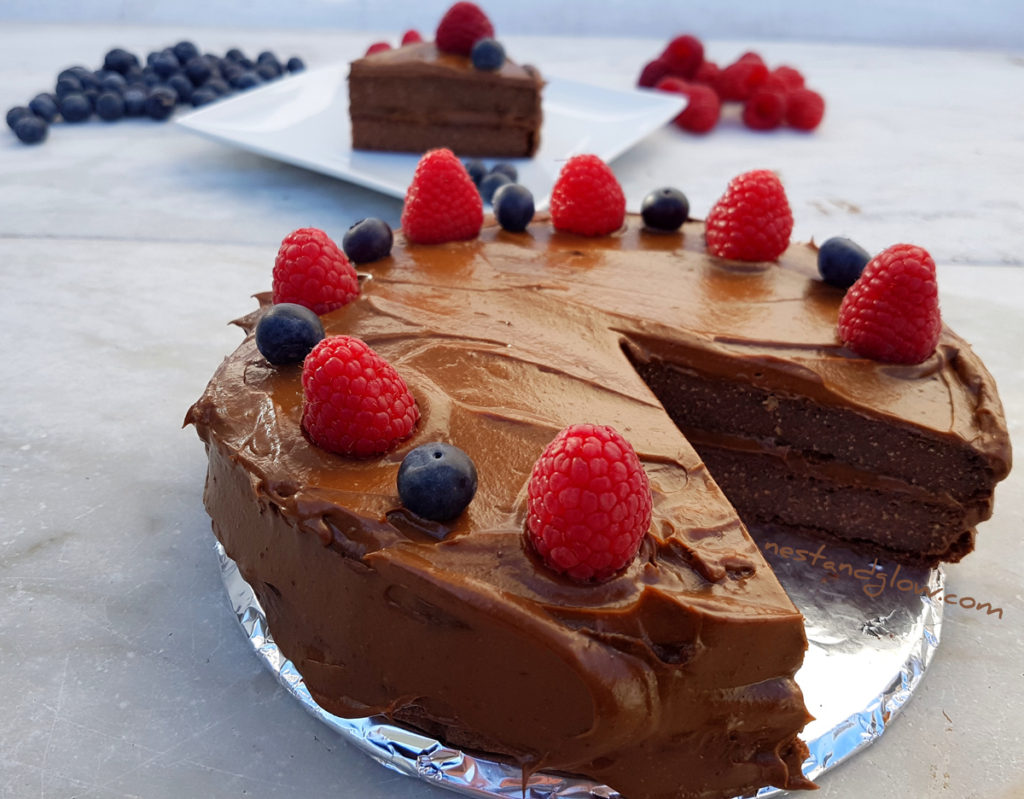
pixel 752 221
pixel 589 503
pixel 461 27
pixel 805 109
pixel 442 202
pixel 587 198
pixel 311 270
pixel 354 402
pixel 411 36
pixel 378 47
pixel 891 313
pixel 703 109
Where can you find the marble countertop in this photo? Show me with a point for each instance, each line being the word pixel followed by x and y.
pixel 126 248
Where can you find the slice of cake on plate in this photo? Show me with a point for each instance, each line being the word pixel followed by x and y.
pixel 431 94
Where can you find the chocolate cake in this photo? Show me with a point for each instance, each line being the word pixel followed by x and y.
pixel 415 98
pixel 675 677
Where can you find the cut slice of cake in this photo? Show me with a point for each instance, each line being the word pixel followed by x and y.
pixel 416 97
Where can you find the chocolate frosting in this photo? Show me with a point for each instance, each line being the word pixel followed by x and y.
pixel 674 678
pixel 424 59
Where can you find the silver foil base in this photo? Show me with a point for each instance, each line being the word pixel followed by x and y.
pixel 872 630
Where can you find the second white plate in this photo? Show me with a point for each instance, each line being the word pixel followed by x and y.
pixel 303 120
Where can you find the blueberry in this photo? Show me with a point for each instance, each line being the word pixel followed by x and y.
pixel 16 113
pixel 182 87
pixel 665 209
pixel 45 106
pixel 230 72
pixel 69 84
pixel 165 64
pixel 367 240
pixel 71 72
pixel 110 106
pixel 295 64
pixel 234 54
pixel 134 75
pixel 88 79
pixel 160 102
pixel 287 332
pixel 491 183
pixel 513 207
pixel 135 101
pixel 246 80
pixel 120 60
pixel 506 168
pixel 476 169
pixel 75 107
pixel 840 261
pixel 31 129
pixel 437 481
pixel 203 95
pixel 218 85
pixel 268 71
pixel 198 70
pixel 184 51
pixel 487 54
pixel 113 82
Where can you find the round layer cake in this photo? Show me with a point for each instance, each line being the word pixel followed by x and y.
pixel 674 678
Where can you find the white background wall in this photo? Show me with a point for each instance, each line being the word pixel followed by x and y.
pixel 993 24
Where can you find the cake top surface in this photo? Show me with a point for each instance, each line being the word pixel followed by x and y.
pixel 424 59
pixel 507 338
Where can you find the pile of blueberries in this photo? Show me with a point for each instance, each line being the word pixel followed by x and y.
pixel 511 202
pixel 124 87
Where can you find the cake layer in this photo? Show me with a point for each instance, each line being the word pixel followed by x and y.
pixel 374 133
pixel 415 97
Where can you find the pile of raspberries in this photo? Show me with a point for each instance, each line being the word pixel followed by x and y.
pixel 770 98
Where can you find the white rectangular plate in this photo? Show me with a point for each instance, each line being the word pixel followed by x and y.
pixel 303 120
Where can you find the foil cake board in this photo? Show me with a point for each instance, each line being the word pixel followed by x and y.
pixel 872 627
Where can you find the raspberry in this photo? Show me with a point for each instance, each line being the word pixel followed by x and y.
pixel 790 77
pixel 310 270
pixel 442 203
pixel 587 199
pixel 411 36
pixel 460 28
pixel 752 220
pixel 653 72
pixel 684 55
pixel 589 503
pixel 764 109
pixel 891 313
pixel 354 402
pixel 703 109
pixel 738 80
pixel 707 73
pixel 805 109
pixel 377 47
